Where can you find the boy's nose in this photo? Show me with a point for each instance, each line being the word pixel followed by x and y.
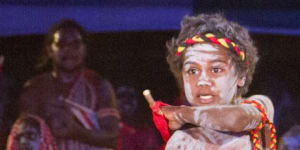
pixel 203 80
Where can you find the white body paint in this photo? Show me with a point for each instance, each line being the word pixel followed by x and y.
pixel 207 135
pixel 208 140
pixel 266 103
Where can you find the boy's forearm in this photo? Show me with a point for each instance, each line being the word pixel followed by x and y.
pixel 233 118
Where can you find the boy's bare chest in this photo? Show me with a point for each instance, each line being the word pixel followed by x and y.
pixel 205 139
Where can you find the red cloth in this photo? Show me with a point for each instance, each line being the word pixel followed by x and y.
pixel 160 121
pixel 46 138
pixel 125 133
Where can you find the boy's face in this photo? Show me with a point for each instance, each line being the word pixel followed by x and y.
pixel 209 75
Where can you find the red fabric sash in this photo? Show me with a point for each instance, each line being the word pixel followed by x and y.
pixel 160 121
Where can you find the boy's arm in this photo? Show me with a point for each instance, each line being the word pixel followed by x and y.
pixel 235 118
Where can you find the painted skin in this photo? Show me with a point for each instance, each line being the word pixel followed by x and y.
pixel 209 75
pixel 220 122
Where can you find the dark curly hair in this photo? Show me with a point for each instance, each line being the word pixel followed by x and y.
pixel 217 24
pixel 44 60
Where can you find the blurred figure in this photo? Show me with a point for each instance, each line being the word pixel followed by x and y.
pixel 291 139
pixel 30 133
pixel 127 103
pixel 134 135
pixel 77 103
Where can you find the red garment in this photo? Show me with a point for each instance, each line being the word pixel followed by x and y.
pixel 125 132
pixel 160 121
pixel 46 138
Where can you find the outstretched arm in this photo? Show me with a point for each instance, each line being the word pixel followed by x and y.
pixel 235 118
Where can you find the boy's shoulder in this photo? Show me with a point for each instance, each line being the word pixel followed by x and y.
pixel 265 101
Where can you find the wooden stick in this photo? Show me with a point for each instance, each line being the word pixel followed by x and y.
pixel 148 97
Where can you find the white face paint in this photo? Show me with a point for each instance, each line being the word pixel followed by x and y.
pixel 209 75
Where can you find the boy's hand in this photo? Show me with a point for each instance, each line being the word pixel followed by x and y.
pixel 171 113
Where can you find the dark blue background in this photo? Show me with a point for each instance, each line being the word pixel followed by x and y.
pixel 35 16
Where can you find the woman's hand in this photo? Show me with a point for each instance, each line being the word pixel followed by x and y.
pixel 61 120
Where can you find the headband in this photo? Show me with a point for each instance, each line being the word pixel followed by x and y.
pixel 209 37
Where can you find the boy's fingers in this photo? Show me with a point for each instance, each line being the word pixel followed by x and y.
pixel 174 125
pixel 167 112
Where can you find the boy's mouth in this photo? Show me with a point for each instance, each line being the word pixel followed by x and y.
pixel 205 98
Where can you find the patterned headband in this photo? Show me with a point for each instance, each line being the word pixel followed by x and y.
pixel 209 37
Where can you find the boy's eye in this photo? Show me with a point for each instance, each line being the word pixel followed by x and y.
pixel 217 70
pixel 193 71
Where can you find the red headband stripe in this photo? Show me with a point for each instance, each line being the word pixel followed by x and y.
pixel 209 37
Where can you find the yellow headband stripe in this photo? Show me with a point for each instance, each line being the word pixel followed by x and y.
pixel 209 37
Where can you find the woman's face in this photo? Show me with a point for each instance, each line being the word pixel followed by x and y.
pixel 209 75
pixel 67 50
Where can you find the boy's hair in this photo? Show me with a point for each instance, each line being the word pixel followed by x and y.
pixel 218 25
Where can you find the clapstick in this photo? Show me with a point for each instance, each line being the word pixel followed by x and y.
pixel 148 97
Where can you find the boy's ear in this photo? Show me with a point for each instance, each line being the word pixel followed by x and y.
pixel 241 81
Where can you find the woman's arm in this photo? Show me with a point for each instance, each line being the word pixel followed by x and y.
pixel 108 119
pixel 65 124
pixel 104 137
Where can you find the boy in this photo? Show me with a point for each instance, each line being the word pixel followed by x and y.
pixel 213 60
